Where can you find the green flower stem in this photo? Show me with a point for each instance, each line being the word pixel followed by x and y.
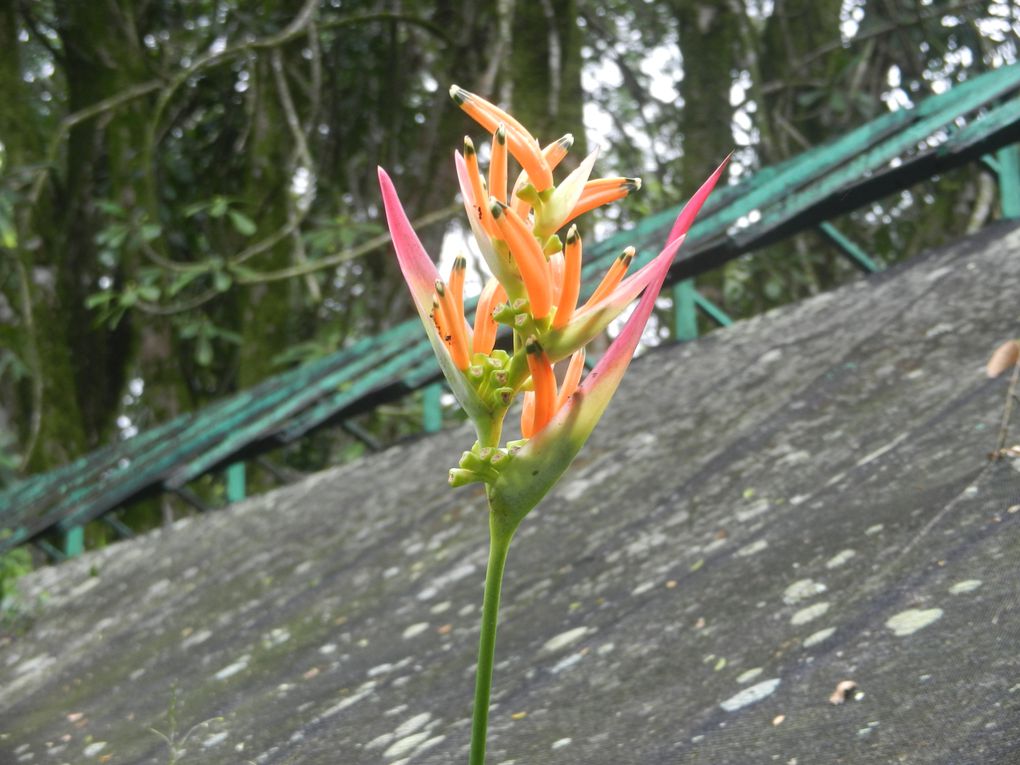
pixel 499 545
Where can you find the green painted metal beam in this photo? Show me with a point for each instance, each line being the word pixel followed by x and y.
pixel 857 256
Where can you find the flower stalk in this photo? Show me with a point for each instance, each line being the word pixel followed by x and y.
pixel 533 294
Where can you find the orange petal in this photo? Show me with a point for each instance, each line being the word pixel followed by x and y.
pixel 528 256
pixel 544 381
pixel 612 278
pixel 553 154
pixel 556 269
pixel 522 144
pixel 497 165
pixel 571 379
pixel 603 191
pixel 485 326
pixel 452 322
pixel 477 189
pixel 528 415
pixel 571 279
pixel 456 285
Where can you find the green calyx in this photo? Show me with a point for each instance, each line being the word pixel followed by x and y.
pixel 482 464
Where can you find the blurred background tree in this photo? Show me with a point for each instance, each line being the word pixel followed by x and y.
pixel 187 189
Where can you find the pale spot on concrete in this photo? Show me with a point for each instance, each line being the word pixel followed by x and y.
pixel 442 607
pixel 214 739
pixel 560 743
pixel 872 530
pixel 415 629
pixel 566 663
pixel 749 675
pixel 840 558
pixel 751 695
pixel 564 639
pixel 94 748
pixel 808 614
pixel 195 638
pixel 434 741
pixel 751 549
pixel 276 637
pixel 968 585
pixel 642 588
pixel 232 669
pixel 802 589
pixel 354 698
pixel 756 509
pixel 819 637
pixel 327 649
pixel 913 619
pixel 884 449
pixel 412 725
pixel 405 745
pixel 379 741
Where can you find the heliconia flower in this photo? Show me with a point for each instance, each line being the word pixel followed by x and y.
pixel 535 286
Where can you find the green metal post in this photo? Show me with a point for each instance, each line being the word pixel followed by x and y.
pixel 685 317
pixel 236 482
pixel 432 416
pixel 1009 181
pixel 74 541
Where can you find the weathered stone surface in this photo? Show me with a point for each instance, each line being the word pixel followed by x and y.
pixel 800 500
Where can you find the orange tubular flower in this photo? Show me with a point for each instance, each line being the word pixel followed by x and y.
pixel 522 144
pixel 456 286
pixel 612 278
pixel 477 189
pixel 571 379
pixel 484 339
pixel 603 191
pixel 571 279
pixel 554 154
pixel 450 323
pixel 528 415
pixel 497 165
pixel 544 381
pixel 528 256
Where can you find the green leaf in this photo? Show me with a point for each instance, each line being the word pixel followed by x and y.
pixel 219 207
pixel 184 279
pixel 150 231
pixel 203 351
pixel 98 298
pixel 222 281
pixel 242 223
